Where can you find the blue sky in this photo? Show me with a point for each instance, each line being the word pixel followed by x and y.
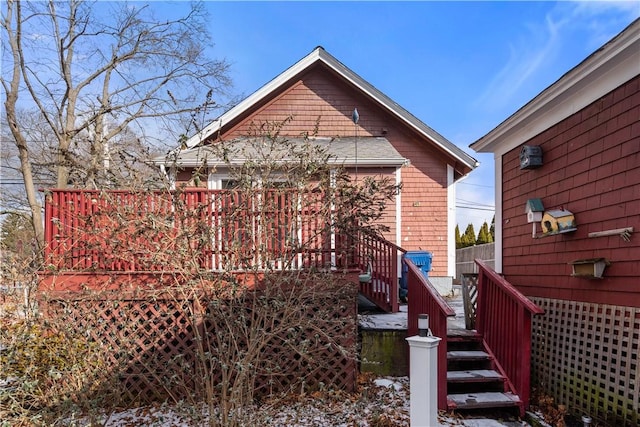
pixel 460 67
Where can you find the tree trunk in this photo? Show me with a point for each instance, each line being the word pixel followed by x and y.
pixel 20 141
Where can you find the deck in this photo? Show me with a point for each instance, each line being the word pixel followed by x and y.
pixel 115 240
pixel 371 319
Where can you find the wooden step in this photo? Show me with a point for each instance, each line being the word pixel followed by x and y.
pixel 467 355
pixel 475 375
pixel 482 400
pixel 473 380
pixel 463 335
pixel 464 343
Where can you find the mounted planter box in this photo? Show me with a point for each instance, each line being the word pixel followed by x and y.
pixel 589 268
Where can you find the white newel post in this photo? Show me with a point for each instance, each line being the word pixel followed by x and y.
pixel 423 363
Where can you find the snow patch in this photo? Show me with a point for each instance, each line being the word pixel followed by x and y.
pixel 388 383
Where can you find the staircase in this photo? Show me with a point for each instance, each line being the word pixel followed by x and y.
pixel 474 380
pixel 487 367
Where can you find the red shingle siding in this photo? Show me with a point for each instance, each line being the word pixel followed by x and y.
pixel 319 97
pixel 424 207
pixel 389 216
pixel 591 168
pixel 316 98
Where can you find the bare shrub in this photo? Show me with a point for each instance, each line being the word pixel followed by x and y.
pixel 215 297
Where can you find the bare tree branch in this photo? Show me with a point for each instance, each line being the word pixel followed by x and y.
pixel 93 70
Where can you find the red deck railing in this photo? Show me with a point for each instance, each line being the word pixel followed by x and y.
pixel 382 290
pixel 425 299
pixel 503 319
pixel 125 231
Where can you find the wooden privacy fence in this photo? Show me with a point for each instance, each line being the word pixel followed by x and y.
pixel 224 229
pixel 160 346
pixel 465 259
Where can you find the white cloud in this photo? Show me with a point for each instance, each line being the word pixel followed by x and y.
pixel 535 49
pixel 602 20
pixel 534 58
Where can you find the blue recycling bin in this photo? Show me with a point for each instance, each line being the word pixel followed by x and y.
pixel 422 260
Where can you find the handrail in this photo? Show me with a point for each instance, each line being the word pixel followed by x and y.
pixel 425 299
pixel 503 319
pixel 383 255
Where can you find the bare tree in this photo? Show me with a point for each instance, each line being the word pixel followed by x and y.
pixel 94 71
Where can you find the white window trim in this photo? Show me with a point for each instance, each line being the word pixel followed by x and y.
pixel 398 174
pixel 498 215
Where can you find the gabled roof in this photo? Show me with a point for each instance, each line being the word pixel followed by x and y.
pixel 615 63
pixel 320 55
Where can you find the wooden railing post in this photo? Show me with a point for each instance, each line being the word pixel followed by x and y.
pixel 49 229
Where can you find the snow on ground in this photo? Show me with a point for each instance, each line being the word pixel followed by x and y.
pixel 382 402
pixel 389 321
pixel 398 321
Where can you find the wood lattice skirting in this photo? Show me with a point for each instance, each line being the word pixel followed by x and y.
pixel 149 343
pixel 470 299
pixel 586 357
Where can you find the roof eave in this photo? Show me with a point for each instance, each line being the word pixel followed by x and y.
pixel 255 97
pixel 398 111
pixel 350 163
pixel 604 70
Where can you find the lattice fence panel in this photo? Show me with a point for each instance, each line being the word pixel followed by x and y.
pixel 302 357
pixel 150 345
pixel 470 299
pixel 586 357
pixel 146 343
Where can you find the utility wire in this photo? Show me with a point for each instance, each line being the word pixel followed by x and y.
pixel 475 208
pixel 474 203
pixel 475 185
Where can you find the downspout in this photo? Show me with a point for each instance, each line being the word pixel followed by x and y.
pixel 498 213
pixel 451 222
pixel 398 174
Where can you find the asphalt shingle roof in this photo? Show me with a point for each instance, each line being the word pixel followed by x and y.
pixel 350 151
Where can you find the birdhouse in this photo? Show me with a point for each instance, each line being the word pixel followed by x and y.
pixel 530 157
pixel 558 221
pixel 534 210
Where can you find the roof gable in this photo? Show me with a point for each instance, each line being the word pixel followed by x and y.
pixel 319 55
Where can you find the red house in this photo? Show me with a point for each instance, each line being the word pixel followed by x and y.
pixel 319 92
pixel 320 102
pixel 317 101
pixel 567 221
